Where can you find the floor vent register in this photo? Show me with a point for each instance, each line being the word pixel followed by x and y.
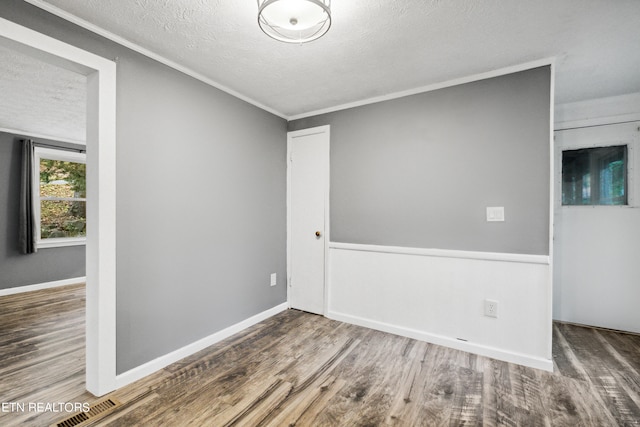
pixel 97 410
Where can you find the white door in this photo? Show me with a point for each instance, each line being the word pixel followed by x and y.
pixel 597 248
pixel 308 207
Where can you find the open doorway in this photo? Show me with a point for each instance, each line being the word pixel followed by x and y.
pixel 42 125
pixel 100 244
pixel 42 273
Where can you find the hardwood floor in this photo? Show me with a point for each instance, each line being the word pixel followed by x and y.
pixel 41 352
pixel 305 370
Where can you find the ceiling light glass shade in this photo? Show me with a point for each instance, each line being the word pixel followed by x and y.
pixel 294 21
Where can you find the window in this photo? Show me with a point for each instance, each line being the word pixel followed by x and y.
pixel 595 176
pixel 61 205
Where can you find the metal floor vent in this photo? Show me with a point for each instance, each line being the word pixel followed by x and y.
pixel 97 410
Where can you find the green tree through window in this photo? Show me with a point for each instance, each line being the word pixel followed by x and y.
pixel 62 194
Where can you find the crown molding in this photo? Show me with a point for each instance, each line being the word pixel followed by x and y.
pixel 428 88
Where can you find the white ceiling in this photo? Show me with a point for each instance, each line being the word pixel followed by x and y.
pixel 41 99
pixel 379 47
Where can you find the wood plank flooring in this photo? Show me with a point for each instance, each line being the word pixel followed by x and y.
pixel 299 369
pixel 41 351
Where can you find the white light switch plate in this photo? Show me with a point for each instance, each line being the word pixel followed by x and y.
pixel 495 213
pixel 273 279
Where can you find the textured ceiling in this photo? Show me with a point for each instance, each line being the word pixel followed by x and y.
pixel 38 98
pixel 379 47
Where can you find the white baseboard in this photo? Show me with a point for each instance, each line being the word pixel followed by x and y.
pixel 164 361
pixel 482 350
pixel 41 286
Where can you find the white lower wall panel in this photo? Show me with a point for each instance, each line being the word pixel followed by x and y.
pixel 440 298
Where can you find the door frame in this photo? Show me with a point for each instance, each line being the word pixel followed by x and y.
pixel 101 192
pixel 326 129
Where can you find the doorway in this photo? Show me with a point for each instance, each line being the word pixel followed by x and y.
pixel 308 218
pixel 101 108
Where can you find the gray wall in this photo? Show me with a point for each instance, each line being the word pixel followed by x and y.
pixel 47 265
pixel 201 185
pixel 419 171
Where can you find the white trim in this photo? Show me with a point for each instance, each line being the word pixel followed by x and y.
pixel 101 230
pixel 597 121
pixel 483 350
pixel 327 222
pixel 61 242
pixel 41 286
pixel 431 87
pixel 164 361
pixel 444 253
pixel 597 112
pixel 60 154
pixel 327 211
pixel 101 192
pixel 41 136
pixel 148 53
pixel 288 201
pixel 552 165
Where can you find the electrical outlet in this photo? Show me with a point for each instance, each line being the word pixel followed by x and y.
pixel 273 279
pixel 490 308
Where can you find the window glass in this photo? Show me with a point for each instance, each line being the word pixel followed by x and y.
pixel 62 199
pixel 595 176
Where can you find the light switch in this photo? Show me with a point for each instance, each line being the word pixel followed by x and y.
pixel 495 213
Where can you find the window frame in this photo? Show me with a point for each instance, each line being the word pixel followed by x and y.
pixel 632 147
pixel 40 153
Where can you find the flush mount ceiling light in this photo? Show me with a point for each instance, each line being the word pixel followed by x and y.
pixel 294 21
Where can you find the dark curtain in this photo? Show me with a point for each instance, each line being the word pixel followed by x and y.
pixel 27 219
